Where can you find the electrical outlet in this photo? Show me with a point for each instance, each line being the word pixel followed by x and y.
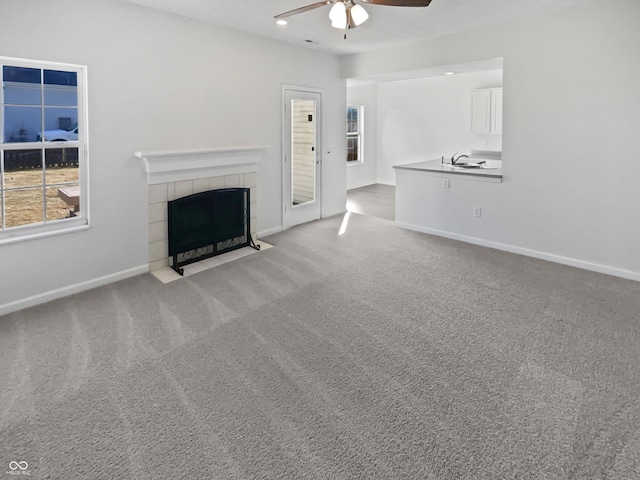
pixel 477 211
pixel 446 183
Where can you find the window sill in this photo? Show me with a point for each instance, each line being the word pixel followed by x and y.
pixel 42 231
pixel 351 164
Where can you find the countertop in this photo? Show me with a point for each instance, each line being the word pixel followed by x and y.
pixel 493 167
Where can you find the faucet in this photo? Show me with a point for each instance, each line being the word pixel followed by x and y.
pixel 454 159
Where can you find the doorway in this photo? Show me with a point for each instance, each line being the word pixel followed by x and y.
pixel 302 196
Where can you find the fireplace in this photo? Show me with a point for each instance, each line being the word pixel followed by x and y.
pixel 173 174
pixel 206 224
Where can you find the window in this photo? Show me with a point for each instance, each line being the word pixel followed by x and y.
pixel 354 134
pixel 43 146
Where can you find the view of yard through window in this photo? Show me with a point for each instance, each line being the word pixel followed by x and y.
pixel 41 143
pixel 25 205
pixel 31 192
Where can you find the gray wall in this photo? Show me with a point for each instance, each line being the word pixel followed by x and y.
pixel 158 81
pixel 571 121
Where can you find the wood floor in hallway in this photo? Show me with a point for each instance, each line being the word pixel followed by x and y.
pixel 375 200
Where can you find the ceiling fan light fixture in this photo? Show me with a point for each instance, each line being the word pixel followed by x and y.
pixel 358 14
pixel 281 21
pixel 338 15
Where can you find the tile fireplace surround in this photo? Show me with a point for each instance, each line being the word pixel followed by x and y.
pixel 173 174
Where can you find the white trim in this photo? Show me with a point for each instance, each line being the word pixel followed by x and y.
pixel 393 184
pixel 572 262
pixel 361 184
pixel 82 222
pixel 47 230
pixel 342 211
pixel 37 63
pixel 164 166
pixel 284 147
pixel 270 231
pixel 359 135
pixel 302 89
pixel 71 289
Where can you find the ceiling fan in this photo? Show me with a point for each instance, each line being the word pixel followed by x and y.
pixel 347 14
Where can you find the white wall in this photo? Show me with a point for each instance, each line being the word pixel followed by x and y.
pixel 361 174
pixel 426 118
pixel 571 120
pixel 158 81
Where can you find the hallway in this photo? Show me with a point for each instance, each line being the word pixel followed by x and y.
pixel 375 200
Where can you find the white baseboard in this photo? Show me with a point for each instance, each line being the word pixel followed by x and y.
pixel 270 231
pixel 551 257
pixel 334 213
pixel 361 184
pixel 278 229
pixel 71 289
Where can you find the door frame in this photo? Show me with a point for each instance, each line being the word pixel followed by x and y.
pixel 283 149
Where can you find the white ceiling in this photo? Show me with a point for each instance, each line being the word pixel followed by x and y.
pixel 476 66
pixel 385 27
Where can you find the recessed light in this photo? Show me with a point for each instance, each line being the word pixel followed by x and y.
pixel 281 21
pixel 449 73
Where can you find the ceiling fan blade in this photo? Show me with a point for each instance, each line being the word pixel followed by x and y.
pixel 313 6
pixel 399 3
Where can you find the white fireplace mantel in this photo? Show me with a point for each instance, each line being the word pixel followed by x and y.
pixel 164 166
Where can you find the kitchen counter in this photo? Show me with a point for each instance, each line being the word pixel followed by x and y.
pixel 491 171
pixel 450 201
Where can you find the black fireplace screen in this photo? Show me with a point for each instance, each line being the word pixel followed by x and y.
pixel 207 224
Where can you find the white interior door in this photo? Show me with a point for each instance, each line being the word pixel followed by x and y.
pixel 302 159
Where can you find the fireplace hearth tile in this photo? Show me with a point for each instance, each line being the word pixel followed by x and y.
pixel 250 180
pixel 167 274
pixel 158 250
pixel 216 182
pixel 184 188
pixel 158 212
pixel 200 185
pixel 158 231
pixel 157 193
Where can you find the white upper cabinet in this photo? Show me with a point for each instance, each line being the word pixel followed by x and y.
pixel 486 111
pixel 481 111
pixel 496 110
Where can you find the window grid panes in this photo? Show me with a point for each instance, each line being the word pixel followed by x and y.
pixel 354 134
pixel 41 145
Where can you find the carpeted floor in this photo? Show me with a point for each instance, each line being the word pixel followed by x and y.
pixel 377 354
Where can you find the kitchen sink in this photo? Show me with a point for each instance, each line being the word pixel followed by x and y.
pixel 468 165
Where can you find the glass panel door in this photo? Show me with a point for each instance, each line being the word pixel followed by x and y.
pixel 303 156
pixel 302 160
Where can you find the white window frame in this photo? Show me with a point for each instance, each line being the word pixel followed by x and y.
pixel 60 226
pixel 359 134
